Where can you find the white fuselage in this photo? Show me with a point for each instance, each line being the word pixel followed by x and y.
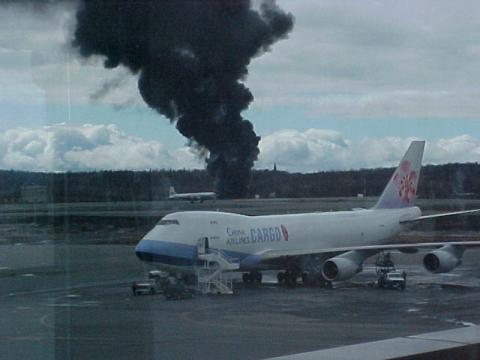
pixel 173 242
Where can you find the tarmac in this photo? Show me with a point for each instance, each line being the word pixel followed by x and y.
pixel 68 296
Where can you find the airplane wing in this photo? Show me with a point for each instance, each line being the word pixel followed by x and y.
pixel 434 216
pixel 267 255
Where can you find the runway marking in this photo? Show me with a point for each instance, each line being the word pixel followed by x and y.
pixel 71 305
pixel 43 321
pixel 72 296
pixel 93 302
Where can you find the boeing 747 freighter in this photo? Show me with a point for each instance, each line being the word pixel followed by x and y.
pixel 325 246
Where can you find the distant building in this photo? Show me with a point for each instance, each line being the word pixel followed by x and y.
pixel 34 194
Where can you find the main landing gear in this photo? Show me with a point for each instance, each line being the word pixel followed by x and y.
pixel 288 277
pixel 253 277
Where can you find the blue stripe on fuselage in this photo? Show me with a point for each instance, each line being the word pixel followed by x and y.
pixel 166 252
pixel 170 253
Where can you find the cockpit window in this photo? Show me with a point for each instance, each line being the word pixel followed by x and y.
pixel 168 222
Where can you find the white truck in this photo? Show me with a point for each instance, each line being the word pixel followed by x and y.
pixel 145 287
pixel 392 279
pixel 154 283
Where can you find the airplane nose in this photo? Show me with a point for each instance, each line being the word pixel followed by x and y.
pixel 143 250
pixel 140 246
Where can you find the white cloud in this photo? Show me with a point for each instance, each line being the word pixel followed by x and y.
pixel 295 150
pixel 88 147
pixel 317 150
pixel 94 147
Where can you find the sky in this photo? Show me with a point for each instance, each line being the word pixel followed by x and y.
pixel 349 88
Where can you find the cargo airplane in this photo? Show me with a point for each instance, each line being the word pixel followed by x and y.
pixel 320 246
pixel 198 196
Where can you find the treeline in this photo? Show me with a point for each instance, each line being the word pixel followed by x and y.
pixel 436 181
pixel 441 181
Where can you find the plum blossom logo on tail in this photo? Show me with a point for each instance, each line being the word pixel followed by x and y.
pixel 405 181
pixel 284 232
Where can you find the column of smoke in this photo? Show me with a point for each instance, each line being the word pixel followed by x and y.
pixel 192 58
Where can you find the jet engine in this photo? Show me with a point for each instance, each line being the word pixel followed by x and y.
pixel 344 266
pixel 443 260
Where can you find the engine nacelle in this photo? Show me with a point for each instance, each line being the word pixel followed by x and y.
pixel 443 260
pixel 340 268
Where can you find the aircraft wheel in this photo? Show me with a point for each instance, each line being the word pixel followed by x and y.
pixel 248 278
pixel 281 277
pixel 311 280
pixel 257 277
pixel 291 278
pixel 305 279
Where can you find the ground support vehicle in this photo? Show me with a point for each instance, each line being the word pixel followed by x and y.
pixel 146 287
pixel 392 280
pixel 388 276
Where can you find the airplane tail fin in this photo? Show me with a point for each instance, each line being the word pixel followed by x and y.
pixel 401 190
pixel 171 191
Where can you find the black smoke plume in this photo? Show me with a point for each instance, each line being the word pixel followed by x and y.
pixel 192 58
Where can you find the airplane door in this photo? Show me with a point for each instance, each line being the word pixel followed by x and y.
pixel 202 246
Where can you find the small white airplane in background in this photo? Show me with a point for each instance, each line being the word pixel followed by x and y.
pixel 325 246
pixel 199 196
